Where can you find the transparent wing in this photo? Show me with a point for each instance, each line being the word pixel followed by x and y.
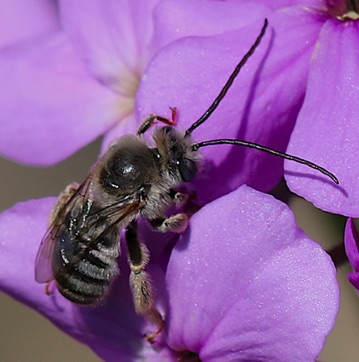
pixel 98 220
pixel 43 267
pixel 103 221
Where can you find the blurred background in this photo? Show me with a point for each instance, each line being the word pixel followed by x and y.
pixel 27 336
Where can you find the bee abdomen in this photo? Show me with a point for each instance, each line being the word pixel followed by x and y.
pixel 86 281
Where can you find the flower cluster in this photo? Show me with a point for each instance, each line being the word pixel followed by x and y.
pixel 243 283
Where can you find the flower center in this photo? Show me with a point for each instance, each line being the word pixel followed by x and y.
pixel 126 89
pixel 344 9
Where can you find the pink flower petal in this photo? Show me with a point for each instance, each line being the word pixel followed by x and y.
pixel 112 329
pixel 245 284
pixel 179 19
pixel 257 108
pixel 327 130
pixel 49 98
pixel 354 279
pixel 352 244
pixel 20 20
pixel 112 38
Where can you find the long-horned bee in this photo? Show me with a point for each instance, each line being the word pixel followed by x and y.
pixel 130 180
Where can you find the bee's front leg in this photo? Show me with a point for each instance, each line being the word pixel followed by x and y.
pixel 177 223
pixel 140 281
pixel 179 198
pixel 152 118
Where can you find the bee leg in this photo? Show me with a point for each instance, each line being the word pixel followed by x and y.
pixel 179 198
pixel 188 201
pixel 148 122
pixel 48 290
pixel 140 281
pixel 177 223
pixel 63 198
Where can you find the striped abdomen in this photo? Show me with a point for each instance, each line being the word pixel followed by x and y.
pixel 83 269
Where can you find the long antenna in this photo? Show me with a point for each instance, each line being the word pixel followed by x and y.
pixel 228 84
pixel 196 146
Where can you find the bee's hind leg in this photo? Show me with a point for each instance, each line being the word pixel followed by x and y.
pixel 140 281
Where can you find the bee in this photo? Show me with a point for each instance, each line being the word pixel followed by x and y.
pixel 131 180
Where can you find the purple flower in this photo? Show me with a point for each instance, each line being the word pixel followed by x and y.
pixel 327 130
pixel 79 82
pixel 351 242
pixel 110 64
pixel 17 25
pixel 242 283
pixel 296 69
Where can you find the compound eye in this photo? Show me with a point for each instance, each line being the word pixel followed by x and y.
pixel 187 169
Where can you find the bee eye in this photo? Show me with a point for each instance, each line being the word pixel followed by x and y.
pixel 187 169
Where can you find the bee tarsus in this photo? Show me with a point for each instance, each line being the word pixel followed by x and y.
pixel 152 118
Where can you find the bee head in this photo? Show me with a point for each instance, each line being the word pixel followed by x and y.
pixel 176 153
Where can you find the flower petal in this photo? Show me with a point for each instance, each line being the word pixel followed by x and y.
pixel 351 242
pixel 50 107
pixel 20 20
pixel 327 130
pixel 246 284
pixel 112 329
pixel 128 125
pixel 351 238
pixel 257 108
pixel 174 19
pixel 112 38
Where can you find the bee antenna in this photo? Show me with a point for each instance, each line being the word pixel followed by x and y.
pixel 228 84
pixel 196 146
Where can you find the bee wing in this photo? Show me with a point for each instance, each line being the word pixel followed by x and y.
pixel 110 215
pixel 113 214
pixel 43 266
pixel 43 271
